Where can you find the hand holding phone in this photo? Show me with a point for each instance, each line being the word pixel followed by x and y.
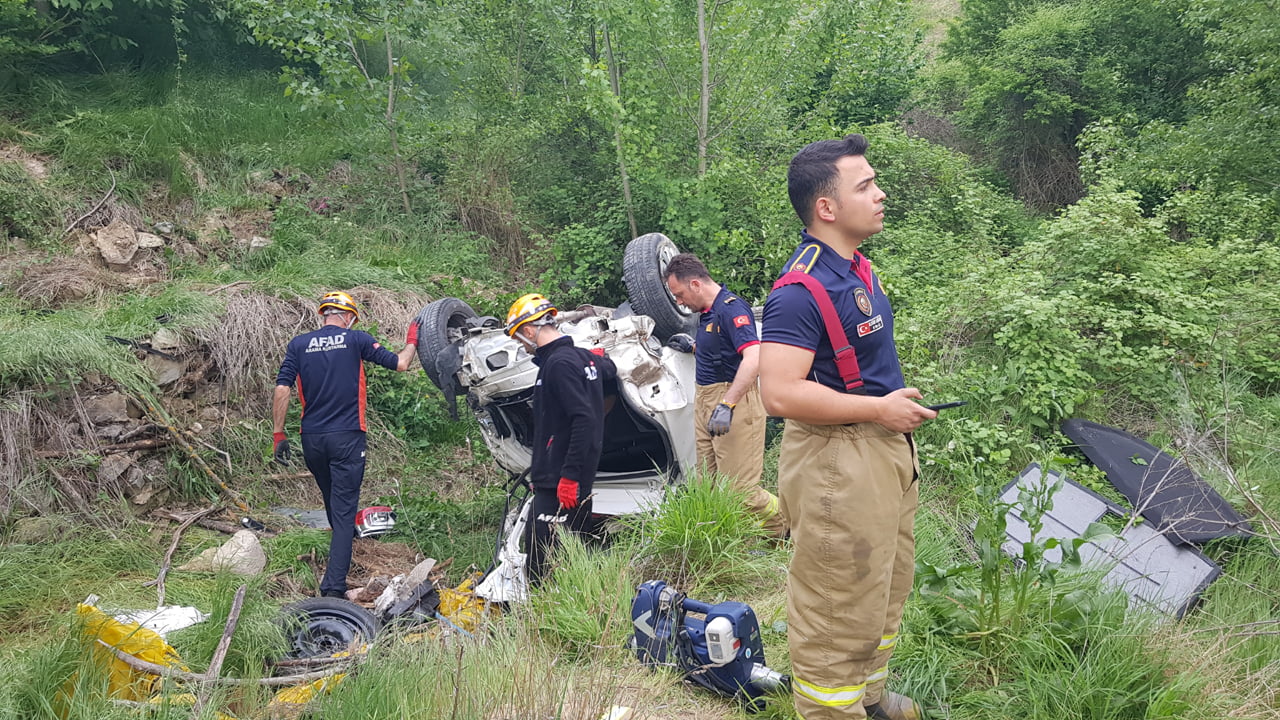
pixel 944 406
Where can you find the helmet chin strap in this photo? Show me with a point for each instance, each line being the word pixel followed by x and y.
pixel 531 345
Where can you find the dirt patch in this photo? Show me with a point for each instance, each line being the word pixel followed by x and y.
pixel 37 167
pixel 51 282
pixel 371 557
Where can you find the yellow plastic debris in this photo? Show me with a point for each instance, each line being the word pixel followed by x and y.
pixel 463 607
pixel 303 694
pixel 125 683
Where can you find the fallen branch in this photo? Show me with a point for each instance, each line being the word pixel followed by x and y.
pixel 173 546
pixel 148 444
pixel 95 207
pixel 152 405
pixel 171 673
pixel 218 525
pixel 220 654
pixel 313 662
pixel 288 476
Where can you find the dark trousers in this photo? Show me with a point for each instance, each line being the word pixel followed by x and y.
pixel 539 537
pixel 336 460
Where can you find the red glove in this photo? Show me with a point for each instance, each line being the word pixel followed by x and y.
pixel 567 493
pixel 411 338
pixel 281 450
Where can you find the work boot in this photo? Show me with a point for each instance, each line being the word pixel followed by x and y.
pixel 893 706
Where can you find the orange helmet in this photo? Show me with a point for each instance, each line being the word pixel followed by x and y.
pixel 338 301
pixel 527 309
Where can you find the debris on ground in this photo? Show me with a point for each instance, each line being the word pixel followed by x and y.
pixel 162 620
pixel 1161 488
pixel 1140 561
pixel 107 635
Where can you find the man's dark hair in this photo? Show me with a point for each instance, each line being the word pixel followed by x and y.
pixel 813 173
pixel 686 267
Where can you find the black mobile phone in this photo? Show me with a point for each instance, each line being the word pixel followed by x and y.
pixel 944 406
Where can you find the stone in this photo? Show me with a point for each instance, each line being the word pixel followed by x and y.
pixel 110 432
pixel 164 370
pixel 166 339
pixel 164 228
pixel 109 408
pixel 209 413
pixel 147 240
pixel 39 530
pixel 241 555
pixel 112 467
pixel 257 242
pixel 118 243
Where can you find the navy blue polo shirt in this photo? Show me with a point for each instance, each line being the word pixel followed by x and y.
pixel 328 367
pixel 724 330
pixel 791 317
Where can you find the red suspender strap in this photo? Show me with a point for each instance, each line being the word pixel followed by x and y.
pixel 846 358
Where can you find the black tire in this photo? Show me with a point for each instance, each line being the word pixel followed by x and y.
pixel 320 627
pixel 441 324
pixel 643 266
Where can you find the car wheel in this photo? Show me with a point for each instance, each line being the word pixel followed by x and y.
pixel 643 268
pixel 320 627
pixel 441 324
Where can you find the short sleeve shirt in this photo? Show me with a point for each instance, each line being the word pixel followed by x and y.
pixel 328 367
pixel 724 330
pixel 791 317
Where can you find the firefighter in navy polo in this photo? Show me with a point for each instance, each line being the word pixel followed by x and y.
pixel 847 474
pixel 327 365
pixel 728 417
pixel 568 426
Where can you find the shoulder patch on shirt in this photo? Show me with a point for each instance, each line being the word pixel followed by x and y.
pixel 742 320
pixel 807 257
pixel 729 299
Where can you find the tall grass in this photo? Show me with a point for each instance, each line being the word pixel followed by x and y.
pixel 702 539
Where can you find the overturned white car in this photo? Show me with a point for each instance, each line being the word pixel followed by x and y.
pixel 648 433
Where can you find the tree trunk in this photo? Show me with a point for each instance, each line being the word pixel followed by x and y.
pixel 704 88
pixel 396 160
pixel 615 85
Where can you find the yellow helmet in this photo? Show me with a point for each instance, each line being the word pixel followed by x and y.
pixel 527 309
pixel 339 301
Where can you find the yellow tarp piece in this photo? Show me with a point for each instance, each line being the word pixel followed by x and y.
pixel 132 639
pixel 303 694
pixel 463 607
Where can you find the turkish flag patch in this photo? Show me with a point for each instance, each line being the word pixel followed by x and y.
pixel 742 320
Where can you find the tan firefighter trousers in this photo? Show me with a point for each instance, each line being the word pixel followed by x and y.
pixel 739 453
pixel 849 493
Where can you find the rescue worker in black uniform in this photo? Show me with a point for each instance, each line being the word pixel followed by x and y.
pixel 327 365
pixel 568 426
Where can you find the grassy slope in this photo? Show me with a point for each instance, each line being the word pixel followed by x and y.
pixel 201 149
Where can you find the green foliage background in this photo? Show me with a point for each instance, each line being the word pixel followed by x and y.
pixel 1084 201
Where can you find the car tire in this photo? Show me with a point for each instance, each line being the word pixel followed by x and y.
pixel 322 626
pixel 441 324
pixel 643 267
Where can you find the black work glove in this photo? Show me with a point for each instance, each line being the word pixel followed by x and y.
pixel 720 420
pixel 681 342
pixel 282 454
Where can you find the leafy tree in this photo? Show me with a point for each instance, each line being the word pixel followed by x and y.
pixel 346 55
pixel 1054 67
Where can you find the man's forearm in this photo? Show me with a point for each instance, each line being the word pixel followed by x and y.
pixel 279 407
pixel 816 404
pixel 748 375
pixel 405 357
